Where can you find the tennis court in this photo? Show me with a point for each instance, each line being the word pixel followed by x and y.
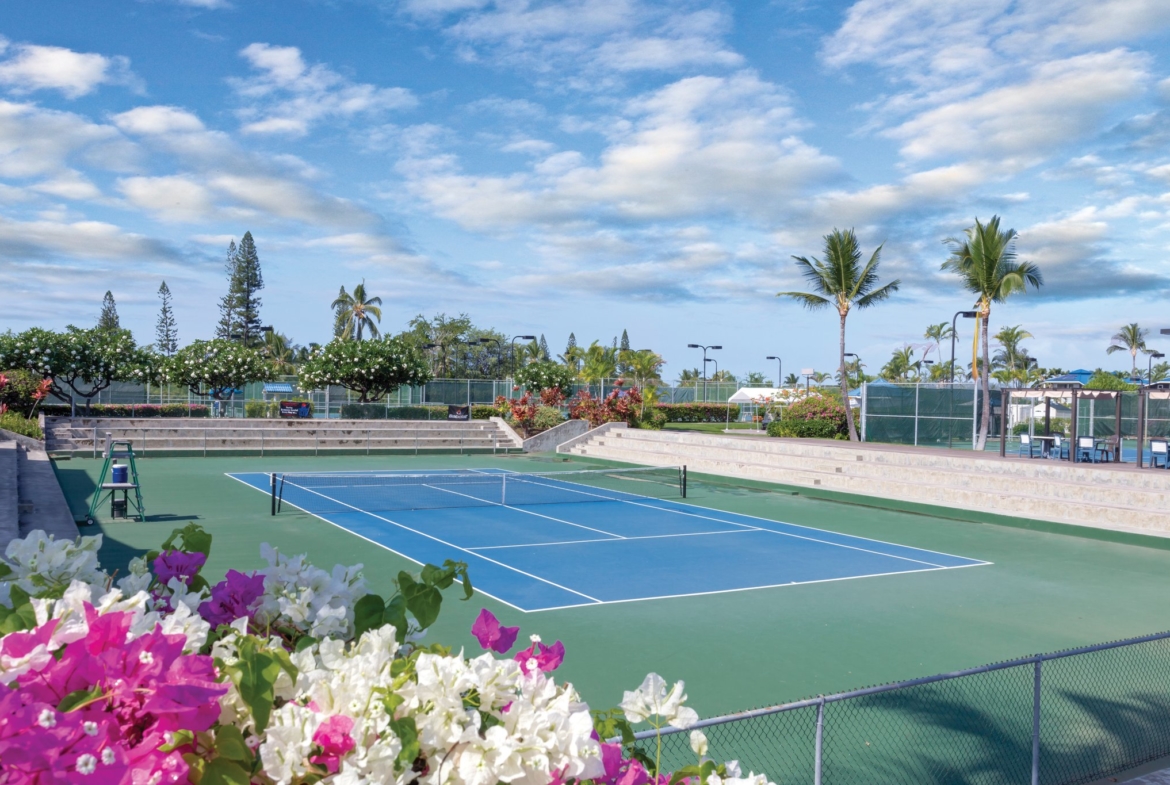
pixel 555 540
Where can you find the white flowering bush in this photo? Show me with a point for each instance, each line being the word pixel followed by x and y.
pixel 291 675
pixel 79 362
pixel 216 367
pixel 371 368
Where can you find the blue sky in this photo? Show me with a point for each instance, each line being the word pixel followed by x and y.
pixel 587 166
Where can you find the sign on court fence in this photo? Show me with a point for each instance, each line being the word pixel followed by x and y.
pixel 1065 718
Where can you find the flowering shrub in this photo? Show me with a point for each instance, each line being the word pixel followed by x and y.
pixel 371 368
pixel 291 675
pixel 21 391
pixel 77 362
pixel 218 367
pixel 814 417
pixel 544 375
pixel 620 405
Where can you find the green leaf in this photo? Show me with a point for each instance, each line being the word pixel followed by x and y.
pixel 395 614
pixel 437 576
pixel 424 602
pixel 77 698
pixel 407 733
pixel 222 771
pixel 255 674
pixel 460 570
pixel 194 540
pixel 5 570
pixel 304 642
pixel 367 614
pixel 180 738
pixel 229 743
pixel 20 616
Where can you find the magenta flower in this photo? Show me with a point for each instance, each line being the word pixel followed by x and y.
pixel 541 657
pixel 178 564
pixel 334 740
pixel 491 635
pixel 232 598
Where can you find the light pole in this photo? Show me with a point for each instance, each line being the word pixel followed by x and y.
pixel 954 322
pixel 716 376
pixel 779 370
pixel 704 348
pixel 514 339
pixel 807 374
pixel 499 351
pixel 1150 367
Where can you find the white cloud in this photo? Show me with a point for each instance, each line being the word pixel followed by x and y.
pixel 173 198
pixel 36 142
pixel 75 74
pixel 30 240
pixel 158 120
pixel 1062 101
pixel 287 96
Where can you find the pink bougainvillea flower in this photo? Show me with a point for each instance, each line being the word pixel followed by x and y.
pixel 334 740
pixel 232 598
pixel 558 776
pixel 633 773
pixel 541 657
pixel 491 635
pixel 178 564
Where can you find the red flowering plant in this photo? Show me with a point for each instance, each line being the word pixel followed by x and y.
pixel 620 405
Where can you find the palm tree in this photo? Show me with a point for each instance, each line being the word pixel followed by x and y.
pixel 986 265
pixel 1012 355
pixel 791 380
pixel 841 281
pixel 1132 339
pixel 354 312
pixel 1159 373
pixel 281 352
pixel 901 363
pixel 600 363
pixel 938 333
pixel 757 379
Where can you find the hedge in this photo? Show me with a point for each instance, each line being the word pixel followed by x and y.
pixel 375 411
pixel 698 412
pixel 16 423
pixel 128 410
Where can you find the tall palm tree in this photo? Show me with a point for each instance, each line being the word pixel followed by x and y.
pixel 1132 339
pixel 842 282
pixel 354 312
pixel 901 363
pixel 938 333
pixel 1012 356
pixel 281 351
pixel 986 264
pixel 600 363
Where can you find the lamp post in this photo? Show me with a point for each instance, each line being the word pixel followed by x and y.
pixel 716 376
pixel 954 322
pixel 779 370
pixel 704 348
pixel 807 374
pixel 499 351
pixel 514 339
pixel 1150 367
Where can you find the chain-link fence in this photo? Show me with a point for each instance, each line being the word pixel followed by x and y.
pixel 1066 718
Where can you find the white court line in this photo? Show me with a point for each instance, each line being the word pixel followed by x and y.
pixel 442 542
pixel 529 512
pixel 764 528
pixel 754 588
pixel 614 539
pixel 381 545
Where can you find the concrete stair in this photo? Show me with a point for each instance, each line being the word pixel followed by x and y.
pixel 1109 497
pixel 204 435
pixel 30 496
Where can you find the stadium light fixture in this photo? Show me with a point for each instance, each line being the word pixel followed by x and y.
pixel 704 348
pixel 779 370
pixel 514 339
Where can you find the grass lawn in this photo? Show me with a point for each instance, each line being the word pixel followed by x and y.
pixel 709 427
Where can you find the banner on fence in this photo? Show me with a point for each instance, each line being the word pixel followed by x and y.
pixel 300 409
pixel 458 412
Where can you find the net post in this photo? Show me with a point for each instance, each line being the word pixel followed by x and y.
pixel 1036 723
pixel 272 485
pixel 819 743
pixel 503 489
pixel 684 481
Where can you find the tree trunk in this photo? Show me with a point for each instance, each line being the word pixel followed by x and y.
pixel 845 386
pixel 985 385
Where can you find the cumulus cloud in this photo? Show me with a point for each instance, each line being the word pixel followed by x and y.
pixel 36 142
pixel 1063 100
pixel 287 96
pixel 30 68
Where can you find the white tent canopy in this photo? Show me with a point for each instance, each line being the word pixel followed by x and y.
pixel 757 394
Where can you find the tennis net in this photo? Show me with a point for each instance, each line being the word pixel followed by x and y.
pixel 373 492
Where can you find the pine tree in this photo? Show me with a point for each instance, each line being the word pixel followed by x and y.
pixel 625 345
pixel 544 353
pixel 623 351
pixel 571 345
pixel 166 334
pixel 248 284
pixel 227 303
pixel 109 317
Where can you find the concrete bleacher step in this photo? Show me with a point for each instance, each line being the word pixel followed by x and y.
pixel 1060 486
pixel 1120 508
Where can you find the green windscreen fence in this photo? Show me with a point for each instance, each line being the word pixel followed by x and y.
pixel 942 415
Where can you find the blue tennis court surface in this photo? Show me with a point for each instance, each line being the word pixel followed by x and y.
pixel 535 554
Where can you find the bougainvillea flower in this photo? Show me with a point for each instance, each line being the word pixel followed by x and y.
pixel 333 737
pixel 541 657
pixel 178 564
pixel 491 634
pixel 232 598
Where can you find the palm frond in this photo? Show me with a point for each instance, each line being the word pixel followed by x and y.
pixel 878 295
pixel 809 301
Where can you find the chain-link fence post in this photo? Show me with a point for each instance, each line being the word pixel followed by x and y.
pixel 1036 724
pixel 819 742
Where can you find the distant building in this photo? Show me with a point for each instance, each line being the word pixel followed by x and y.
pixel 1073 380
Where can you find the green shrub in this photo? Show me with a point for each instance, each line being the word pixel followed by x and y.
pixel 698 412
pixel 1100 380
pixel 543 375
pixel 128 410
pixel 11 421
pixel 1058 426
pixel 653 419
pixel 17 392
pixel 482 411
pixel 547 417
pixel 815 417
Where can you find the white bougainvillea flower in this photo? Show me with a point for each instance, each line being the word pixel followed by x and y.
pixel 652 700
pixel 699 743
